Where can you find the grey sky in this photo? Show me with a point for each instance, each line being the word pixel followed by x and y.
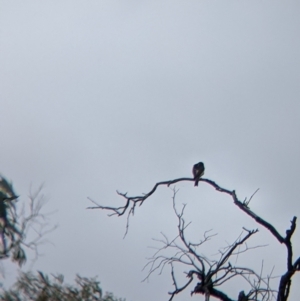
pixel 103 95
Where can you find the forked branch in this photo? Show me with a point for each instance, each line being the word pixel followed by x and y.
pixel 203 268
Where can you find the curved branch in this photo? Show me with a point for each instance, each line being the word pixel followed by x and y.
pixel 292 267
pixel 246 209
pixel 131 202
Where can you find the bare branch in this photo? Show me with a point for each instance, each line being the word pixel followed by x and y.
pixel 178 289
pixel 205 268
pixel 131 202
pixel 136 199
pixel 246 203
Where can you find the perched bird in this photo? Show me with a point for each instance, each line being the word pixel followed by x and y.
pixel 198 172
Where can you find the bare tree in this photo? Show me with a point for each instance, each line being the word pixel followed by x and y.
pixel 212 274
pixel 22 226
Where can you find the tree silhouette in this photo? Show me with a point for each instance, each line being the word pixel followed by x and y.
pixel 212 274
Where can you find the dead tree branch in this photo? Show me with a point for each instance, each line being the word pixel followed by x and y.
pixel 201 263
pixel 210 273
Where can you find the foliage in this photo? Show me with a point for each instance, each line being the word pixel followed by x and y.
pixel 18 222
pixel 15 231
pixel 40 287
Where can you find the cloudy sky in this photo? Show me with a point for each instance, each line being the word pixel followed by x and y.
pixel 99 96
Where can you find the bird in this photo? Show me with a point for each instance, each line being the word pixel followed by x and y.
pixel 198 172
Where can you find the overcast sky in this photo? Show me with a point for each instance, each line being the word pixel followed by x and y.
pixel 104 95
